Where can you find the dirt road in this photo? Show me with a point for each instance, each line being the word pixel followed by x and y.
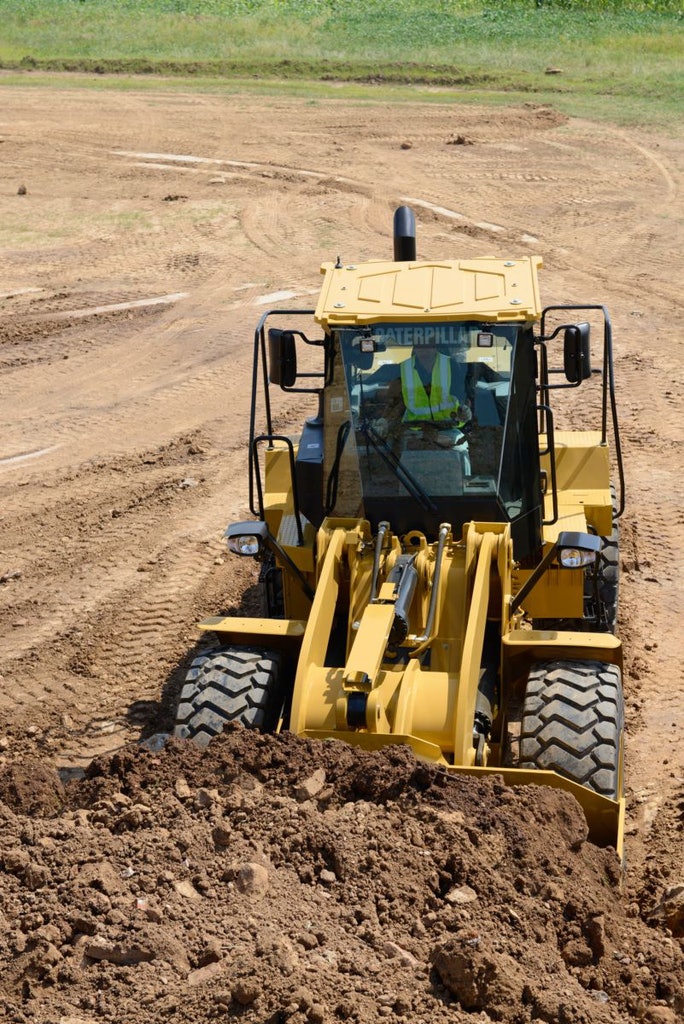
pixel 142 234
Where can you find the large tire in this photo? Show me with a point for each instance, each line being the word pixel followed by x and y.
pixel 232 684
pixel 573 723
pixel 608 581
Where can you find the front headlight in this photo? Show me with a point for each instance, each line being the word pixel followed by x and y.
pixel 577 550
pixel 246 538
pixel 246 544
pixel 574 558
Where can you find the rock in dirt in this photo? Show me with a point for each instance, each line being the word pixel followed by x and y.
pixel 115 953
pixel 670 910
pixel 30 787
pixel 201 975
pixel 478 975
pixel 311 787
pixel 461 895
pixel 252 879
pixel 245 993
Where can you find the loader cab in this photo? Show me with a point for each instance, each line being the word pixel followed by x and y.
pixel 470 451
pixel 390 441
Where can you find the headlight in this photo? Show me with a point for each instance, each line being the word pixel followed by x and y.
pixel 575 558
pixel 246 538
pixel 577 550
pixel 246 544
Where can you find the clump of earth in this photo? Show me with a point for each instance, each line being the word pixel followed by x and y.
pixel 274 878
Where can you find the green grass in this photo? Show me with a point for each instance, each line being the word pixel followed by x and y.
pixel 616 59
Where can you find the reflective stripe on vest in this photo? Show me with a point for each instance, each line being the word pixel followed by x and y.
pixel 417 404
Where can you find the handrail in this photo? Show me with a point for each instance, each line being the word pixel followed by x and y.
pixel 608 385
pixel 260 358
pixel 257 473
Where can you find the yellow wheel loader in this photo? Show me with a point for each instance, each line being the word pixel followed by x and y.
pixel 438 560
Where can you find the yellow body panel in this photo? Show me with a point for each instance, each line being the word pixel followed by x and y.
pixel 560 592
pixel 583 483
pixel 279 491
pixel 281 634
pixel 488 289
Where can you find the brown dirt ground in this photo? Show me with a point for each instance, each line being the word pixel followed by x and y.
pixel 272 879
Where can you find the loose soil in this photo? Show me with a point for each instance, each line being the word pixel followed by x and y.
pixel 142 235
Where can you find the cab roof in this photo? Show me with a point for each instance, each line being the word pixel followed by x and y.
pixel 491 290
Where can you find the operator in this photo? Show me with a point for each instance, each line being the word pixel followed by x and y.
pixel 425 397
pixel 428 389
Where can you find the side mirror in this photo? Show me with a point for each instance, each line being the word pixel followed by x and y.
pixel 282 358
pixel 576 353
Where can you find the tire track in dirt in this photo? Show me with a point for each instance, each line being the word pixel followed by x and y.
pixel 260 217
pixel 605 206
pixel 113 618
pixel 652 568
pixel 199 377
pixel 83 576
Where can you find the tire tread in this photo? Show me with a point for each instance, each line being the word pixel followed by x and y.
pixel 228 685
pixel 573 722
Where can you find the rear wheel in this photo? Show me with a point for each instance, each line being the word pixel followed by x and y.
pixel 608 583
pixel 573 722
pixel 233 684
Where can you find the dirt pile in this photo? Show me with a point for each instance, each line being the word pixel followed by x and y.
pixel 274 879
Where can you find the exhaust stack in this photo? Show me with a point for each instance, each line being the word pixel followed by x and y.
pixel 404 235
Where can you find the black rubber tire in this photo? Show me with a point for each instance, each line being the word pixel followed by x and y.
pixel 233 684
pixel 573 723
pixel 608 580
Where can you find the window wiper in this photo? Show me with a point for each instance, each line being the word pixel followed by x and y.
pixel 405 478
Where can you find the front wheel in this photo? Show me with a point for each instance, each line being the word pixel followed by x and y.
pixel 232 684
pixel 573 723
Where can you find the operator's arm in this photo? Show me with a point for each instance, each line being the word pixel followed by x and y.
pixel 462 412
pixel 499 385
pixel 471 378
pixel 393 408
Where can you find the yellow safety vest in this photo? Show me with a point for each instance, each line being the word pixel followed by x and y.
pixel 440 404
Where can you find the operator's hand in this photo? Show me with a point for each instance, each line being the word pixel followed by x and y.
pixel 380 426
pixel 463 414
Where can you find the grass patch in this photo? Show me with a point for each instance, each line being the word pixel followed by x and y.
pixel 604 53
pixel 599 107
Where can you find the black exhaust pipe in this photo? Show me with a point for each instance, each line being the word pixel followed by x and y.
pixel 404 235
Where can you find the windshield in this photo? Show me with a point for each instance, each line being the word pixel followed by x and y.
pixel 422 408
